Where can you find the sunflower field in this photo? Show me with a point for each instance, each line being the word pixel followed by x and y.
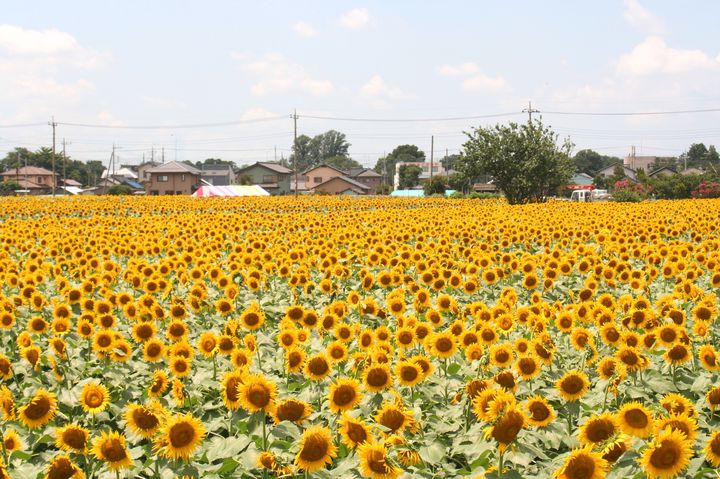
pixel 339 338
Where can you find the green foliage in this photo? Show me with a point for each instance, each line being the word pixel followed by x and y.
pixel 120 190
pixel 214 161
pixel 458 181
pixel 437 185
pixel 87 173
pixel 449 162
pixel 626 191
pixel 342 162
pixel 330 147
pixel 384 189
pixel 590 162
pixel 474 195
pixel 245 180
pixel 401 154
pixel 525 160
pixel 409 175
pixel 456 195
pixel 675 187
pixel 699 156
pixel 8 188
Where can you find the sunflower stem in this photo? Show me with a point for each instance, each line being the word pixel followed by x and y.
pixel 214 367
pixel 264 431
pixel 501 463
pixel 4 451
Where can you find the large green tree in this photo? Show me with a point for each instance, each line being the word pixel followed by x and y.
pixel 409 175
pixel 700 156
pixel 87 173
pixel 401 154
pixel 330 147
pixel 590 162
pixel 525 160
pixel 342 162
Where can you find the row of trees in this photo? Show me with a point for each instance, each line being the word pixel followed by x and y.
pixel 87 173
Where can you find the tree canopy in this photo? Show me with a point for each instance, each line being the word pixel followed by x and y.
pixel 525 161
pixel 400 154
pixel 409 175
pixel 590 162
pixel 87 173
pixel 330 147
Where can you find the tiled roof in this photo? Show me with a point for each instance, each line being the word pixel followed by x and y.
pixel 174 167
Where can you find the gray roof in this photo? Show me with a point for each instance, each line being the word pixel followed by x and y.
pixel 174 167
pixel 367 172
pixel 276 167
pixel 342 172
pixel 216 168
pixel 347 180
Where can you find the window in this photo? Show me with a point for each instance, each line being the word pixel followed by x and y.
pixel 154 192
pixel 182 178
pixel 178 192
pixel 270 179
pixel 168 192
pixel 40 179
pixel 317 179
pixel 162 178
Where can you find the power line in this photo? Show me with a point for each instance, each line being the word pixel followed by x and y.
pixel 22 125
pixel 410 120
pixel 633 113
pixel 172 127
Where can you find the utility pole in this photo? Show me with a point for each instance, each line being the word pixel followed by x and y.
pixel 530 110
pixel 54 181
pixel 64 143
pixel 295 152
pixel 163 155
pixel 432 155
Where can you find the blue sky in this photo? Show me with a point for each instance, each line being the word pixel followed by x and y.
pixel 160 63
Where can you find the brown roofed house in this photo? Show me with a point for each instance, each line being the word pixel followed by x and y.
pixel 172 178
pixel 36 180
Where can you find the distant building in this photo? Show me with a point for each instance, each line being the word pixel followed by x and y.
pixel 173 178
pixel 218 175
pixel 341 185
pixel 142 170
pixel 320 174
pixel 368 177
pixel 275 178
pixel 425 174
pixel 33 179
pixel 610 171
pixel 663 171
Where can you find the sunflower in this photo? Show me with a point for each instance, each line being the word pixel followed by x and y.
pixel 11 441
pixel 353 431
pixel 393 417
pixel 573 385
pixel 102 341
pixel 344 395
pixel 680 422
pixel 159 383
pixel 708 357
pixel 582 463
pixel 180 366
pixel 229 385
pixel 501 355
pixel 257 393
pixel 337 351
pixel 207 343
pixel 667 455
pixel 377 378
pixel 287 338
pixel 294 360
pixel 154 350
pixel 252 318
pixel 72 438
pixel 110 448
pixel 292 410
pixel 316 449
pixel 178 392
pixel 598 429
pixel 7 403
pixel 62 467
pixel 6 371
pixel 712 449
pixel 527 367
pixel 317 367
pixel 179 437
pixel 374 461
pixel 506 429
pixel 713 398
pixel 39 410
pixel 408 373
pixel 144 420
pixel 675 403
pixel 636 420
pixel 615 449
pixel 94 398
pixel 442 345
pixel 539 411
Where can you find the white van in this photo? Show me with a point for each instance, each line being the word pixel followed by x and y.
pixel 586 196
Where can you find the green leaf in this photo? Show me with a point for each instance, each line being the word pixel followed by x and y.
pixel 433 453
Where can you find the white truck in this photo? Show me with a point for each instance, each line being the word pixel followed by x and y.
pixel 586 196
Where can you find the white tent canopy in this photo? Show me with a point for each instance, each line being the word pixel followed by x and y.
pixel 230 190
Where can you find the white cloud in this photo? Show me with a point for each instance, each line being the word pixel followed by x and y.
pixel 305 30
pixel 485 83
pixel 355 19
pixel 376 87
pixel 653 56
pixel 466 68
pixel 642 19
pixel 257 114
pixel 277 74
pixel 49 47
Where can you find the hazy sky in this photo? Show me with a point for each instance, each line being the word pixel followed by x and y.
pixel 157 63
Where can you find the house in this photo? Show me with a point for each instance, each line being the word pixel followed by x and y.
pixel 320 174
pixel 610 171
pixel 142 170
pixel 273 177
pixel 36 180
pixel 367 177
pixel 123 171
pixel 103 186
pixel 485 188
pixel 639 162
pixel 172 178
pixel 341 185
pixel 69 182
pixel 692 171
pixel 217 175
pixel 425 173
pixel 663 171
